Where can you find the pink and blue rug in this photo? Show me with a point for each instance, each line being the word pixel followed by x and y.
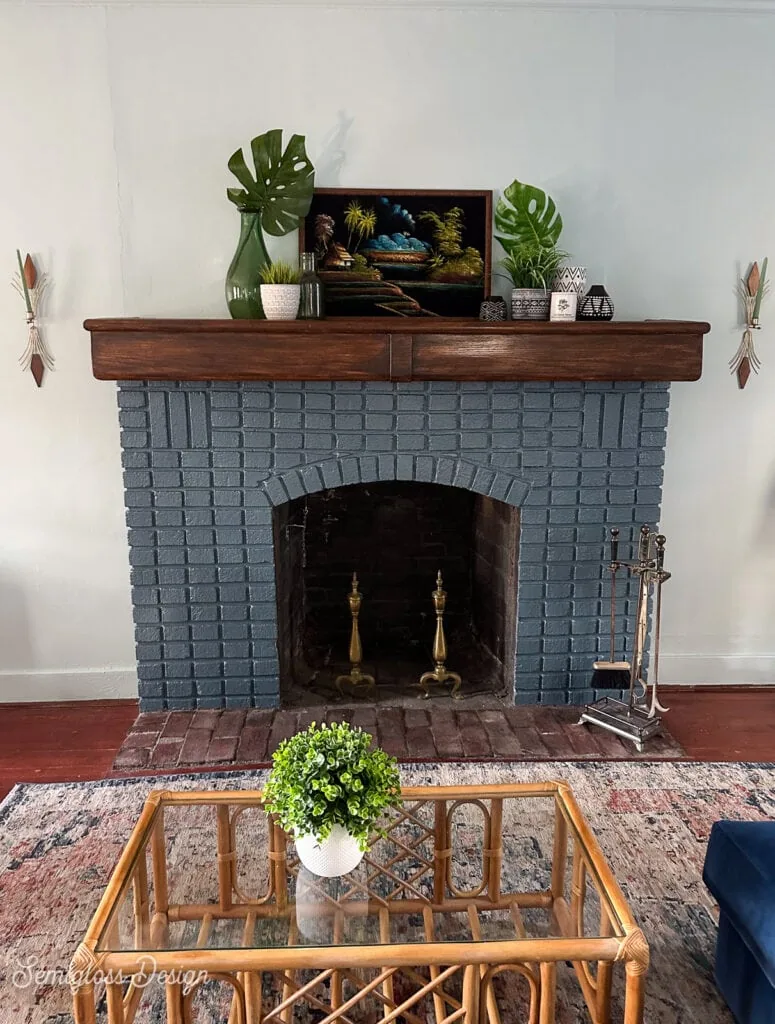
pixel 59 843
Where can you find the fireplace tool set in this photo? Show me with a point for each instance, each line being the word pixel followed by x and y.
pixel 636 719
pixel 439 674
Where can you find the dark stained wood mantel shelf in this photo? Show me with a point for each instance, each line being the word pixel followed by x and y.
pixel 382 349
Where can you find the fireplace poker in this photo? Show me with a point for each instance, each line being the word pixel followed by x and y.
pixel 660 577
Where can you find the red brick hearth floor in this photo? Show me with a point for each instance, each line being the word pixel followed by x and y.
pixel 160 741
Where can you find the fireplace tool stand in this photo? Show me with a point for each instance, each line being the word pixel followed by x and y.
pixel 637 719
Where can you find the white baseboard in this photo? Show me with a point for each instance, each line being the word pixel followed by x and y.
pixel 716 669
pixel 68 684
pixel 121 683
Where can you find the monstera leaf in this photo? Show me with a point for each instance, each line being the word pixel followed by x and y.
pixel 527 216
pixel 281 191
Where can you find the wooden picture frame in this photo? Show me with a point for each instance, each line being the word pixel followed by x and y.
pixel 411 252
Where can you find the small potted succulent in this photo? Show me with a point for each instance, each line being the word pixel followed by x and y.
pixel 328 788
pixel 280 291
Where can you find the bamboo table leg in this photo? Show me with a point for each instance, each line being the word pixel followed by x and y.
pixel 115 1001
pixel 559 853
pixel 174 992
pixel 493 1015
pixel 548 987
pixel 253 1002
pixel 83 1005
pixel 225 858
pixel 471 993
pixel 634 993
pixel 141 905
pixel 605 971
pixel 160 920
pixel 251 980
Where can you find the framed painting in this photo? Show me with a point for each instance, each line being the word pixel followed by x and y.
pixel 400 252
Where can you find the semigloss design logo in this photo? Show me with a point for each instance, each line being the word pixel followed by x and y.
pixel 30 974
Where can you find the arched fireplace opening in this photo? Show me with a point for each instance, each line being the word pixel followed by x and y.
pixel 396 535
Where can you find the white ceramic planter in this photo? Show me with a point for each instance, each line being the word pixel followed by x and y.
pixel 280 301
pixel 570 279
pixel 336 855
pixel 530 304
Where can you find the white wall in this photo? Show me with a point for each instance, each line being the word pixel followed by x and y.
pixel 652 129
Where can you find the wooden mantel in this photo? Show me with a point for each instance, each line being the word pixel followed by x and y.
pixel 395 349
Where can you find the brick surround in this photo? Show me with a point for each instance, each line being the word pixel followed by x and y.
pixel 206 463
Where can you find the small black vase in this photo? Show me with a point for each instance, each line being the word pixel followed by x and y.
pixel 596 305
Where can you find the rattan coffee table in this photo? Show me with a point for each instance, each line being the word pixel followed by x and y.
pixel 463 909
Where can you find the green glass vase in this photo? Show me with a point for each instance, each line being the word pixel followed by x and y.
pixel 243 295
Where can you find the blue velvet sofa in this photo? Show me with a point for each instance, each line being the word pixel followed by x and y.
pixel 740 872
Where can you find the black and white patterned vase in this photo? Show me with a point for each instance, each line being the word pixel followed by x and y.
pixel 596 305
pixel 493 308
pixel 530 304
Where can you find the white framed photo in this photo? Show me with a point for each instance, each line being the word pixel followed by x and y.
pixel 563 306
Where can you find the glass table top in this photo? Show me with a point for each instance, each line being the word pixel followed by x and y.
pixel 454 870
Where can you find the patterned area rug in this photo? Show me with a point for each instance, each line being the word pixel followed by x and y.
pixel 58 844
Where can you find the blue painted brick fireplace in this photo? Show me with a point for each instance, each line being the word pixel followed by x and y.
pixel 204 465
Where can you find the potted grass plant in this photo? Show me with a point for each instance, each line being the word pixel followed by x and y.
pixel 531 268
pixel 280 291
pixel 328 788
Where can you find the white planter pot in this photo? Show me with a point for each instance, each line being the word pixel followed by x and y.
pixel 337 855
pixel 530 304
pixel 280 301
pixel 570 279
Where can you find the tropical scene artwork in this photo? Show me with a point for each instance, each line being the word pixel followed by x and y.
pixel 391 253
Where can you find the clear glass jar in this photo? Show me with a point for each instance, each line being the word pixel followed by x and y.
pixel 311 305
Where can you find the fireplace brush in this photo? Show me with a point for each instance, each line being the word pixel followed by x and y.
pixel 612 674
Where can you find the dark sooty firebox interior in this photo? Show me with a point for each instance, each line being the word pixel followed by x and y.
pixel 396 536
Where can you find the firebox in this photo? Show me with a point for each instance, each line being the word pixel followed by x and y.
pixel 396 535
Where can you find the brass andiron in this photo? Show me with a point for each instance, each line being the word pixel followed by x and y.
pixel 355 677
pixel 440 674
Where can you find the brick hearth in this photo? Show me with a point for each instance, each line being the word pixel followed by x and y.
pixel 161 740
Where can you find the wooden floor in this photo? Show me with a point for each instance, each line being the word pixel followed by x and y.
pixel 79 740
pixel 50 742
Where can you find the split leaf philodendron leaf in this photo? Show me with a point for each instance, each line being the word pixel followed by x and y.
pixel 281 191
pixel 525 215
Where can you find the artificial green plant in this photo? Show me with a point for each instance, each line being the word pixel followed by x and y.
pixel 329 775
pixel 529 227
